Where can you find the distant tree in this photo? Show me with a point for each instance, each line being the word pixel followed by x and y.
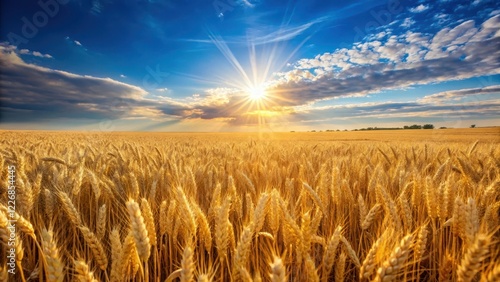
pixel 473 126
pixel 428 126
pixel 406 127
pixel 443 127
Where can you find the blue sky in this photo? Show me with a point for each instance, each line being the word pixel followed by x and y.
pixel 246 65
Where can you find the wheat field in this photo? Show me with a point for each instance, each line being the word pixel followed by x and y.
pixel 338 206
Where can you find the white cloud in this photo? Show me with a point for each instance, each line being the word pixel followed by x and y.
pixel 38 54
pixel 9 48
pixel 454 53
pixel 442 18
pixel 73 41
pixel 489 29
pixel 420 8
pixel 123 76
pixel 447 37
pixel 408 22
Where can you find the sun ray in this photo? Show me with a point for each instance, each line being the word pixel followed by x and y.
pixel 254 96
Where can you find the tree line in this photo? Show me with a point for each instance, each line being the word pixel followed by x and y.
pixel 414 126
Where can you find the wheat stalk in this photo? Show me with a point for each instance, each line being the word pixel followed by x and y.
pixel 149 220
pixel 54 264
pixel 310 269
pixel 369 263
pixel 222 237
pixel 83 274
pixel 330 251
pixel 139 230
pixel 95 246
pixel 71 211
pixel 391 267
pixel 163 220
pixel 242 253
pixel 493 275
pixel 101 221
pixel 470 264
pixel 367 222
pixel 116 254
pixel 420 245
pixel 278 272
pixel 350 251
pixel 340 268
pixel 187 265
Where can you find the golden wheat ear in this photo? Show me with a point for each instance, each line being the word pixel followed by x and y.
pixel 474 256
pixel 82 272
pixel 54 267
pixel 391 267
pixel 95 247
pixel 139 230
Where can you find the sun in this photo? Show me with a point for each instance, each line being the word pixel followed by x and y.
pixel 257 93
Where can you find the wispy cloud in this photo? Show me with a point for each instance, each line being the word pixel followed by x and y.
pixel 286 33
pixel 279 34
pixel 455 95
pixel 452 113
pixel 494 13
pixel 247 3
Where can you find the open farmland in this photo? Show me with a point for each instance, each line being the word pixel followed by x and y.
pixel 412 205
